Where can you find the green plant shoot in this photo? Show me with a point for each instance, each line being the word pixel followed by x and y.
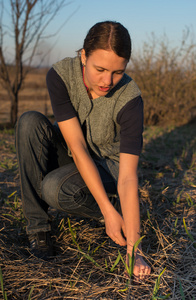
pixel 189 234
pixel 156 288
pixel 2 287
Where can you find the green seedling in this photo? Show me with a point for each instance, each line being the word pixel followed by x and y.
pixel 189 234
pixel 176 221
pixel 181 290
pixel 15 211
pixel 87 256
pixel 149 218
pixel 89 276
pixel 15 205
pixel 73 235
pixel 179 196
pixel 97 248
pixel 156 288
pixel 189 200
pixel 12 194
pixel 8 131
pixel 124 290
pixel 89 247
pixel 148 215
pixel 175 231
pixel 2 287
pixel 106 264
pixel 131 259
pixel 8 164
pixel 130 266
pixel 9 215
pixel 116 262
pixel 31 291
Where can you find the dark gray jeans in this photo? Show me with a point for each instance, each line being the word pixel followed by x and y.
pixel 49 176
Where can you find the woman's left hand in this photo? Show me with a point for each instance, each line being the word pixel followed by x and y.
pixel 141 269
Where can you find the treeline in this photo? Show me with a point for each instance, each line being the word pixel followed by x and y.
pixel 166 76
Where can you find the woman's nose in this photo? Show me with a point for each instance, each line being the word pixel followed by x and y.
pixel 108 78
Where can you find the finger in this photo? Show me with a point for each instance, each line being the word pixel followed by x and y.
pixel 139 273
pixel 137 278
pixel 143 274
pixel 147 270
pixel 118 239
pixel 121 241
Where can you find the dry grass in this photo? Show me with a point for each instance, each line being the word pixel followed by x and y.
pixel 166 75
pixel 32 96
pixel 167 193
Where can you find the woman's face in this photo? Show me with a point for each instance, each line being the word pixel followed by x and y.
pixel 102 71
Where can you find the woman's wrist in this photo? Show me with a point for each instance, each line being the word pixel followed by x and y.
pixel 131 241
pixel 107 208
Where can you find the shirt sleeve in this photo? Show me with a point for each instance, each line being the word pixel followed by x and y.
pixel 130 119
pixel 60 100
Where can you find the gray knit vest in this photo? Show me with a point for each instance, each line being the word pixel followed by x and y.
pixel 100 114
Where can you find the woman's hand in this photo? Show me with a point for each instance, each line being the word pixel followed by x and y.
pixel 114 225
pixel 141 269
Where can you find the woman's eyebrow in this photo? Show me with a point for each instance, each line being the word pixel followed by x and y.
pixel 120 70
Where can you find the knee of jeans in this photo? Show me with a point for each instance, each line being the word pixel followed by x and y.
pixel 63 185
pixel 27 122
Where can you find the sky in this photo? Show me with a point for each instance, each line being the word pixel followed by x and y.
pixel 140 17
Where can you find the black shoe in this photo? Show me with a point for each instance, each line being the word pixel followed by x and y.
pixel 41 245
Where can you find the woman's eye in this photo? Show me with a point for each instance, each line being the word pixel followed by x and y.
pixel 100 70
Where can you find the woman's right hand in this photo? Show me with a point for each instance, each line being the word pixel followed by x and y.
pixel 115 226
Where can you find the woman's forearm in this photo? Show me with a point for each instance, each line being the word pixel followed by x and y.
pixel 90 174
pixel 113 220
pixel 128 192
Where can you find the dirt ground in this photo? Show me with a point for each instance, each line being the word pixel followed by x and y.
pixel 83 267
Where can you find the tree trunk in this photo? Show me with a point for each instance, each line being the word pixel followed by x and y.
pixel 14 109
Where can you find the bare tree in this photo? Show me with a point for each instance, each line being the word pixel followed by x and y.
pixel 29 20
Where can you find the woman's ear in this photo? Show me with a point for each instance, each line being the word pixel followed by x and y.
pixel 83 57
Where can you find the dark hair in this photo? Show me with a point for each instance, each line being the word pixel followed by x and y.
pixel 108 35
